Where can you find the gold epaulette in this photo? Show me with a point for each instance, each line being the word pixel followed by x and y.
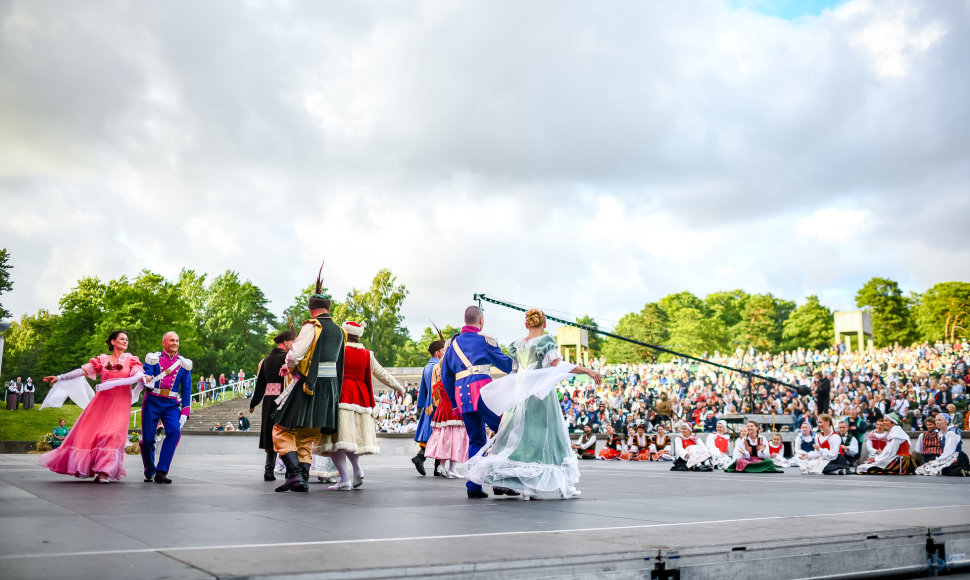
pixel 490 340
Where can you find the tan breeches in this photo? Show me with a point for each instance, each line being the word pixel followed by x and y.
pixel 300 440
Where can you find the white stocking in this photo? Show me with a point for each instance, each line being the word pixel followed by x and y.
pixel 337 457
pixel 354 461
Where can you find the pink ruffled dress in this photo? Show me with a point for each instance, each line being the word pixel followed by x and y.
pixel 96 443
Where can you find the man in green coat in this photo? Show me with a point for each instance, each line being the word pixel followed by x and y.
pixel 315 368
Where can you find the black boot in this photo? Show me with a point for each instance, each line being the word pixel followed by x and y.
pixel 294 473
pixel 418 461
pixel 437 464
pixel 268 474
pixel 305 474
pixel 160 477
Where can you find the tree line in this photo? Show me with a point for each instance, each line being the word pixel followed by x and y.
pixel 724 321
pixel 225 324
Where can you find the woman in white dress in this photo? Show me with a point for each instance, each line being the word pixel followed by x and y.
pixel 719 444
pixel 531 451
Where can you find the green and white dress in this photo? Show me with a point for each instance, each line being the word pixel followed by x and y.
pixel 531 451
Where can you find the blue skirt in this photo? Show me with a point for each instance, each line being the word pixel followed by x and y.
pixel 423 431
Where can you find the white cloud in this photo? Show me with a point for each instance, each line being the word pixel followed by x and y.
pixel 576 158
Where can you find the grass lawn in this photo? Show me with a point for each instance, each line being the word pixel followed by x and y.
pixel 31 425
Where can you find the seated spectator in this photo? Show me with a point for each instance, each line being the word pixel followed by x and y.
pixel 929 445
pixel 59 433
pixel 849 446
pixel 952 460
pixel 894 458
pixel 825 453
pixel 614 445
pixel 637 445
pixel 243 422
pixel 776 450
pixel 803 445
pixel 751 453
pixel 710 422
pixel 229 427
pixel 691 455
pixel 719 444
pixel 585 447
pixel 218 427
pixel 661 448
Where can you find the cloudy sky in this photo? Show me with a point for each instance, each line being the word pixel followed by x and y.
pixel 584 157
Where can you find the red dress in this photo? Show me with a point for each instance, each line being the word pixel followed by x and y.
pixel 449 440
pixel 96 443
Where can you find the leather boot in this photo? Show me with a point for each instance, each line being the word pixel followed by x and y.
pixel 418 461
pixel 294 473
pixel 305 474
pixel 268 474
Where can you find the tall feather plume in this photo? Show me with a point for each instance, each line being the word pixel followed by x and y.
pixel 436 329
pixel 319 287
pixel 289 321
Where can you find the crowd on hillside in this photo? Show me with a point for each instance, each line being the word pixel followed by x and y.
pixel 914 382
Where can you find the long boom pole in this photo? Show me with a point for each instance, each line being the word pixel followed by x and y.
pixel 749 374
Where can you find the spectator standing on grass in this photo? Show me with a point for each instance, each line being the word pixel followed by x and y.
pixel 28 394
pixel 13 395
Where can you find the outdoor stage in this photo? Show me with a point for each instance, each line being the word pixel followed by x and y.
pixel 219 519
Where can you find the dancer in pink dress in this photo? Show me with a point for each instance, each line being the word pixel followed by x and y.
pixel 96 444
pixel 449 441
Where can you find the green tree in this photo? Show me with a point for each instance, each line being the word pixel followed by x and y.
pixel 728 306
pixel 943 312
pixel 380 308
pixel 595 339
pixel 6 285
pixel 235 325
pixel 762 322
pixel 26 341
pixel 891 319
pixel 74 339
pixel 649 326
pixel 810 326
pixel 691 332
pixel 673 303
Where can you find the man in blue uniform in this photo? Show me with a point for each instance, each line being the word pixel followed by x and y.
pixel 425 406
pixel 168 398
pixel 465 369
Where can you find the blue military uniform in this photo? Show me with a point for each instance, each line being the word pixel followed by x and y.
pixel 167 401
pixel 423 432
pixel 465 369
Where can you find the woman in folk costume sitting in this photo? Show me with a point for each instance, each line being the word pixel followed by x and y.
pixel 637 445
pixel 952 461
pixel 894 459
pixel 691 454
pixel 825 456
pixel 803 444
pixel 96 445
pixel 356 430
pixel 719 444
pixel 614 445
pixel 751 453
pixel 661 448
pixel 776 450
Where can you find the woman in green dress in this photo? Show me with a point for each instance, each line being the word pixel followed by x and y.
pixel 531 452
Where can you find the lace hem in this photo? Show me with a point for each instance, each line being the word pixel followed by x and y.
pixel 504 472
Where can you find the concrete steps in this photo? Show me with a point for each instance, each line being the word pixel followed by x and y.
pixel 225 412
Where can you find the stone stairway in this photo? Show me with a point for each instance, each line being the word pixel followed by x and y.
pixel 225 412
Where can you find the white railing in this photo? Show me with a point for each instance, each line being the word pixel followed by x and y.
pixel 209 396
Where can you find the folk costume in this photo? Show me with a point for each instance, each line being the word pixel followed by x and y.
pixel 28 394
pixel 638 446
pixel 777 454
pixel 96 443
pixel 356 429
pixel 422 432
pixel 952 461
pixel 894 459
pixel 825 459
pixel 586 446
pixel 268 387
pixel 661 448
pixel 168 398
pixel 876 442
pixel 13 395
pixel 449 441
pixel 749 458
pixel 691 454
pixel 531 450
pixel 308 404
pixel 719 445
pixel 613 448
pixel 465 369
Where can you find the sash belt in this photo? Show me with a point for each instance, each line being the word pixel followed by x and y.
pixel 474 370
pixel 327 370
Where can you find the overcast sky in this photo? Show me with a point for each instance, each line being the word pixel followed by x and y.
pixel 583 157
